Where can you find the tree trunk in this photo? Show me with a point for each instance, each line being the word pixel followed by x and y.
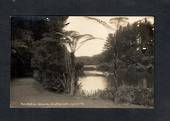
pixel 144 83
pixel 115 79
pixel 73 79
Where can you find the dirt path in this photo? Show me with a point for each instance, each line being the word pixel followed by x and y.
pixel 26 92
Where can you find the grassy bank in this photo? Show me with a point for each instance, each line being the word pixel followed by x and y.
pixel 28 93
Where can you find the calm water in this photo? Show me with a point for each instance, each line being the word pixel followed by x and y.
pixel 93 81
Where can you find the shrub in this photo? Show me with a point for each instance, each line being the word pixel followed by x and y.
pixel 134 95
pixel 51 65
pixel 79 68
pixel 108 93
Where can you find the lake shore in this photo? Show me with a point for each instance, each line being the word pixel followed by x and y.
pixel 28 93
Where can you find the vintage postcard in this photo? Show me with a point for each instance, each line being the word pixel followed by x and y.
pixel 82 62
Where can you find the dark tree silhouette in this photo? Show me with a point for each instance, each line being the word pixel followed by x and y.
pixel 74 41
pixel 134 47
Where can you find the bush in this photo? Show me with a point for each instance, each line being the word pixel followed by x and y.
pixel 108 93
pixel 51 65
pixel 134 95
pixel 79 68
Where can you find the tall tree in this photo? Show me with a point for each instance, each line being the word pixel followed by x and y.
pixel 117 21
pixel 134 45
pixel 74 41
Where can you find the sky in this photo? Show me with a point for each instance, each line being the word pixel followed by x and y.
pixel 86 26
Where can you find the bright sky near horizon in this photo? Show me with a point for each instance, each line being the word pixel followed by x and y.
pixel 87 26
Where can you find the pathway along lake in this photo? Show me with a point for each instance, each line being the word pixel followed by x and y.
pixel 93 80
pixel 28 93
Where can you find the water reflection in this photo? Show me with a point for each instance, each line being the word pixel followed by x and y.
pixel 93 82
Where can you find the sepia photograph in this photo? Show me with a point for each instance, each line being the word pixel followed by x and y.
pixel 82 62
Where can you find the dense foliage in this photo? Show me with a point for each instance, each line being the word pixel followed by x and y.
pixel 37 50
pixel 134 95
pixel 129 53
pixel 24 31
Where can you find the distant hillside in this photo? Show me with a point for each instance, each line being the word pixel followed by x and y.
pixel 94 60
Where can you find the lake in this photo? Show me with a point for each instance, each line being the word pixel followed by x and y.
pixel 93 81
